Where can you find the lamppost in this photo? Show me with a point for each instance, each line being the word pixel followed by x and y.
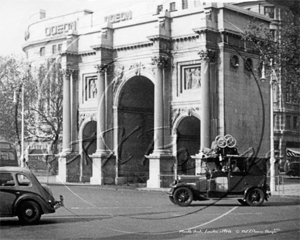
pixel 273 83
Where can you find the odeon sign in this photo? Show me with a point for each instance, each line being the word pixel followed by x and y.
pixel 61 28
pixel 118 17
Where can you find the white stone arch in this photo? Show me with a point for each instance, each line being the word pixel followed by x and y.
pixel 176 122
pixel 83 124
pixel 127 76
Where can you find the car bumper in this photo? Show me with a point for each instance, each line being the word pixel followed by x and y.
pixel 60 203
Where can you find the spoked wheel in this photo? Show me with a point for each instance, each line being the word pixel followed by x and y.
pixel 255 197
pixel 243 202
pixel 183 196
pixel 29 212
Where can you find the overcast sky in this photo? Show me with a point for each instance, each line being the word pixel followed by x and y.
pixel 16 15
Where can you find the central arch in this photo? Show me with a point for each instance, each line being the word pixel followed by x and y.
pixel 135 128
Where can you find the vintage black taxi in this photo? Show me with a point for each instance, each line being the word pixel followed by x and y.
pixel 226 175
pixel 22 195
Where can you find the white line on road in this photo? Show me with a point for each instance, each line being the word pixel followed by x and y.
pixel 213 220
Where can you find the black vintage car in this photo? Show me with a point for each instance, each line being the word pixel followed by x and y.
pixel 241 178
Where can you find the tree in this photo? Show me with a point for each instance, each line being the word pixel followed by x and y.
pixel 281 50
pixel 12 74
pixel 44 116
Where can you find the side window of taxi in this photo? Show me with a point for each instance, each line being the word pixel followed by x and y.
pixel 6 179
pixel 23 180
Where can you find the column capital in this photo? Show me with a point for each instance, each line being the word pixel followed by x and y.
pixel 102 67
pixel 161 61
pixel 207 55
pixel 68 71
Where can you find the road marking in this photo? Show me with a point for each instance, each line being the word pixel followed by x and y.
pixel 213 220
pixel 109 207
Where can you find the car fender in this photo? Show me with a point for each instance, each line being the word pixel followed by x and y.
pixel 45 207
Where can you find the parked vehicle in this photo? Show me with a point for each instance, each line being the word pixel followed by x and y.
pixel 235 177
pixel 22 195
pixel 293 168
pixel 8 154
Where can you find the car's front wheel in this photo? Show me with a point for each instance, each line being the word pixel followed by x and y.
pixel 255 197
pixel 183 196
pixel 29 212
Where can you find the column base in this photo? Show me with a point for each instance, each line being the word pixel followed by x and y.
pixel 103 168
pixel 62 166
pixel 161 172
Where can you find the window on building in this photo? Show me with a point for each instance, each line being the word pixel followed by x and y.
pixel 159 9
pixel 172 6
pixel 295 123
pixel 184 4
pixel 59 47
pixel 54 49
pixel 269 12
pixel 288 122
pixel 42 51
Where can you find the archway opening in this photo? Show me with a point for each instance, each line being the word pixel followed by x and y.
pixel 188 143
pixel 135 132
pixel 89 146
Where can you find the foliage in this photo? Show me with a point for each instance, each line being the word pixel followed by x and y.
pixel 43 95
pixel 279 51
pixel 44 115
pixel 12 71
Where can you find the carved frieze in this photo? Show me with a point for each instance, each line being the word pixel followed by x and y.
pixel 91 116
pixel 137 67
pixel 118 77
pixel 176 112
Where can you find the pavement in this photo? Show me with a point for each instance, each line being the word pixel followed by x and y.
pixel 285 189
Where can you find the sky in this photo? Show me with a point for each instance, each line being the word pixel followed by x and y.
pixel 16 15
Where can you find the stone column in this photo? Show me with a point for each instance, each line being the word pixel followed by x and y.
pixel 205 114
pixel 159 152
pixel 205 138
pixel 101 152
pixel 159 105
pixel 66 141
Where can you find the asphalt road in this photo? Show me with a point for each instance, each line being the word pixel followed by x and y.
pixel 99 212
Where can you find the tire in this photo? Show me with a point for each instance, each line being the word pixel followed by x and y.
pixel 183 196
pixel 243 202
pixel 172 199
pixel 29 212
pixel 255 197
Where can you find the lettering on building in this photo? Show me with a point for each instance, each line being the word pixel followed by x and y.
pixel 124 16
pixel 60 29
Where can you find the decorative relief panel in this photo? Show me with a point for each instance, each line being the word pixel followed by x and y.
pixel 191 77
pixel 91 116
pixel 175 113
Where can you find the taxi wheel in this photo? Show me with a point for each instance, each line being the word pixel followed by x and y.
pixel 29 212
pixel 172 199
pixel 183 196
pixel 243 202
pixel 255 197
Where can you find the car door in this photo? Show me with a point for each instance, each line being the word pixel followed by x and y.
pixel 8 193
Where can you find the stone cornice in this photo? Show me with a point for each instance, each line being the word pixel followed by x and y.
pixel 185 37
pixel 133 46
pixel 101 46
pixel 159 37
pixel 69 53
